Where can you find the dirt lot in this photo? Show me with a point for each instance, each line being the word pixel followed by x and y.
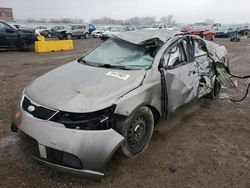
pixel 208 142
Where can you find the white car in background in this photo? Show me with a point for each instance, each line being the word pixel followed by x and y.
pixel 114 31
pixel 99 31
pixel 38 29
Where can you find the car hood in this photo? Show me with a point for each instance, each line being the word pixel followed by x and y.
pixel 76 87
pixel 26 30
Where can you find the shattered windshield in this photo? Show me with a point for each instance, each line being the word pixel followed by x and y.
pixel 119 53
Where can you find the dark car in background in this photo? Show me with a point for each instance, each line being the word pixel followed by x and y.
pixel 221 31
pixel 52 31
pixel 242 30
pixel 71 31
pixel 225 31
pixel 16 38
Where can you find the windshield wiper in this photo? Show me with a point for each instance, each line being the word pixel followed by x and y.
pixel 113 66
pixel 82 61
pixel 109 66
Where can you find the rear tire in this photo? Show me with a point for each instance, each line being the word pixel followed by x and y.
pixel 137 130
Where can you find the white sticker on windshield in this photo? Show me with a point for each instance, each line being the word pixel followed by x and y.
pixel 120 75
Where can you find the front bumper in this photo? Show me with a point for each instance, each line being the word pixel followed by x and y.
pixel 93 148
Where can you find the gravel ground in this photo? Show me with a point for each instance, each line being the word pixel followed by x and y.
pixel 206 144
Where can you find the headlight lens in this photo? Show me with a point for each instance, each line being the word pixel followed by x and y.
pixel 99 120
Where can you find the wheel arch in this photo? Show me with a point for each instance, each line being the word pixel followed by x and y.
pixel 149 96
pixel 155 112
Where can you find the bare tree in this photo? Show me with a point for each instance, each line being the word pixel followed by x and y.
pixel 106 20
pixel 169 20
pixel 209 22
pixel 133 21
pixel 148 20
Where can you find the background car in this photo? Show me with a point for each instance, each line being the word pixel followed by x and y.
pixel 91 28
pixel 16 38
pixel 155 26
pixel 39 29
pixel 204 31
pixel 98 32
pixel 52 31
pixel 113 31
pixel 240 29
pixel 71 31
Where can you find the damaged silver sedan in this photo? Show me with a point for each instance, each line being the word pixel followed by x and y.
pixel 81 113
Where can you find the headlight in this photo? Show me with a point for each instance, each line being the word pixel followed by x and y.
pixel 99 120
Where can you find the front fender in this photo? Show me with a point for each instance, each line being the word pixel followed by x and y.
pixel 146 94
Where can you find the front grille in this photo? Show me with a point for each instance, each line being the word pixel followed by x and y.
pixel 38 111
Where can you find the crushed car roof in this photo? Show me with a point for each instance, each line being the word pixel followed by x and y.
pixel 138 37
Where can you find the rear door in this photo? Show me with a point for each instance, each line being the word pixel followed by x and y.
pixel 82 30
pixel 75 30
pixel 181 74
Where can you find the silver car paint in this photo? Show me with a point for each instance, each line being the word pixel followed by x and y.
pixel 93 148
pixel 182 85
pixel 75 87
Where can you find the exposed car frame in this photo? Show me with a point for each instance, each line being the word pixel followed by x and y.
pixel 109 106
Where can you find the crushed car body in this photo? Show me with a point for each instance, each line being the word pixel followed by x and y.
pixel 82 112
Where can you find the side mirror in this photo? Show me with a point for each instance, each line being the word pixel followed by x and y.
pixel 9 30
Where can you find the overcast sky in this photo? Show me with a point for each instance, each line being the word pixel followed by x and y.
pixel 184 11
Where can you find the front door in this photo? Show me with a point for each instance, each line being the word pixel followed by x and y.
pixel 8 36
pixel 181 75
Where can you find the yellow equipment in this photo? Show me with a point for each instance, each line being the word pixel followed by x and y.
pixel 52 45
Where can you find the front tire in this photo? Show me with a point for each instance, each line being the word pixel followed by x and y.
pixel 69 36
pixel 60 36
pixel 86 36
pixel 23 45
pixel 137 130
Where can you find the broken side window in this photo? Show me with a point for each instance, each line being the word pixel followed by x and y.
pixel 200 49
pixel 175 56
